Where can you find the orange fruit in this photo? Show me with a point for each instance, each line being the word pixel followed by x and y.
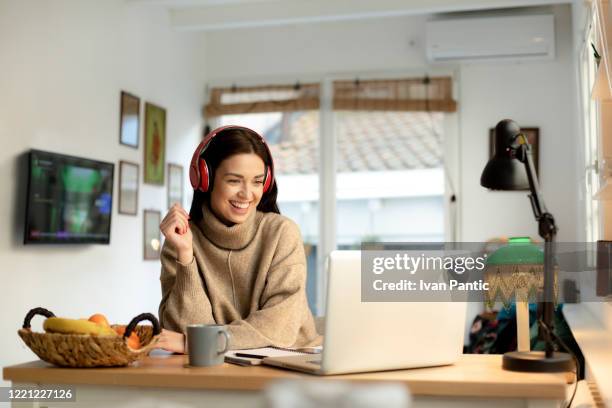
pixel 133 341
pixel 99 318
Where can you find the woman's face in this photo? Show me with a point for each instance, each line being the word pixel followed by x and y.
pixel 238 187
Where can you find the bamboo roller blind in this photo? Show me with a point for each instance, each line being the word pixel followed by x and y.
pixel 415 94
pixel 259 99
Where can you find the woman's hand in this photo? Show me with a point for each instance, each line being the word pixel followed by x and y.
pixel 171 341
pixel 175 227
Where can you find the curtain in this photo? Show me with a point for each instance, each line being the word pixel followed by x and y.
pixel 260 99
pixel 413 94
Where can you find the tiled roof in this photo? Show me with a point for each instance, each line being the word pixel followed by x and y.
pixel 367 141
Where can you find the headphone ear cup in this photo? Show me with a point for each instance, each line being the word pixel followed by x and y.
pixel 267 181
pixel 194 176
pixel 204 176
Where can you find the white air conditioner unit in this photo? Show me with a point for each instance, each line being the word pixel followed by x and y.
pixel 491 38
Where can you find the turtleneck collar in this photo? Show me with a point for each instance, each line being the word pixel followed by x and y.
pixel 238 236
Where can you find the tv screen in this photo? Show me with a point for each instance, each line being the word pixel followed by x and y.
pixel 69 199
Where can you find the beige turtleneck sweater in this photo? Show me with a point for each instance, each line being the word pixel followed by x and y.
pixel 250 276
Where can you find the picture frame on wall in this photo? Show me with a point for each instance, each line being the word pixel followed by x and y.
pixel 175 184
pixel 129 120
pixel 151 234
pixel 533 137
pixel 128 187
pixel 155 144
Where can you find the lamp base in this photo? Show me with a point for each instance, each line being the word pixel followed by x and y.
pixel 536 361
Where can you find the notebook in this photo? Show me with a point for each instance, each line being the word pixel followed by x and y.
pixel 232 357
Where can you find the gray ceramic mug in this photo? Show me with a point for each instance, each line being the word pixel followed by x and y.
pixel 203 344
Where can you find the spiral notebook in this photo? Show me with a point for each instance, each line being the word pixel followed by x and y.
pixel 258 354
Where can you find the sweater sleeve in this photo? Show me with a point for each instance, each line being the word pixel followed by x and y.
pixel 184 299
pixel 284 318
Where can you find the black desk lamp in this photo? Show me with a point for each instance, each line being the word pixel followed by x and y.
pixel 505 172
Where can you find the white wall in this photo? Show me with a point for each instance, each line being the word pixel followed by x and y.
pixel 315 49
pixel 63 66
pixel 543 95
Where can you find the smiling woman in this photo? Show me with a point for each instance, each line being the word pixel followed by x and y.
pixel 234 259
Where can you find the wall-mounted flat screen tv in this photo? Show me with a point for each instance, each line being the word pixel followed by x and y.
pixel 69 199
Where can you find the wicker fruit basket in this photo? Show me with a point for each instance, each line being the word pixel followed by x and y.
pixel 84 350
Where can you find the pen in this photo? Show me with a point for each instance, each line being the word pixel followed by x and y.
pixel 250 355
pixel 309 350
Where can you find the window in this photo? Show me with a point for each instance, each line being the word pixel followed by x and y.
pixel 588 72
pixel 390 181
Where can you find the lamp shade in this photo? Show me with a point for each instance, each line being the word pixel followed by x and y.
pixel 504 171
pixel 515 270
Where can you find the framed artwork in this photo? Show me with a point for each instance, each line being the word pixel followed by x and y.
pixel 533 137
pixel 175 184
pixel 128 188
pixel 152 234
pixel 129 120
pixel 155 144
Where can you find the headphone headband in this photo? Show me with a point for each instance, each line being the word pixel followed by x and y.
pixel 199 172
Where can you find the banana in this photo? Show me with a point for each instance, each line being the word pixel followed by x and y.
pixel 76 326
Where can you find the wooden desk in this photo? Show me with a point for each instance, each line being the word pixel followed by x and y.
pixel 476 380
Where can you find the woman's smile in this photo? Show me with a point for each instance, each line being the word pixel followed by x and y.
pixel 239 204
pixel 240 207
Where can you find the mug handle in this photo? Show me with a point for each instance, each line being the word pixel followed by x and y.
pixel 227 341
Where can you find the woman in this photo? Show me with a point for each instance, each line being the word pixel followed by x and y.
pixel 234 259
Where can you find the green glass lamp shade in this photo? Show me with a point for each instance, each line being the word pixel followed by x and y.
pixel 514 272
pixel 519 251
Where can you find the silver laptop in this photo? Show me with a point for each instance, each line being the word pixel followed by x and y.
pixel 362 337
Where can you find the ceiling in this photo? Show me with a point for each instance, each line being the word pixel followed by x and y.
pixel 212 15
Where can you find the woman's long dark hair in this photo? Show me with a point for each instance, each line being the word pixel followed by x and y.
pixel 225 144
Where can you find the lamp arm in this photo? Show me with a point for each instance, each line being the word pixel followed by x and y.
pixel 547 230
pixel 535 197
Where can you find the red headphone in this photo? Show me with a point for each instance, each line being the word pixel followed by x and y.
pixel 199 174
